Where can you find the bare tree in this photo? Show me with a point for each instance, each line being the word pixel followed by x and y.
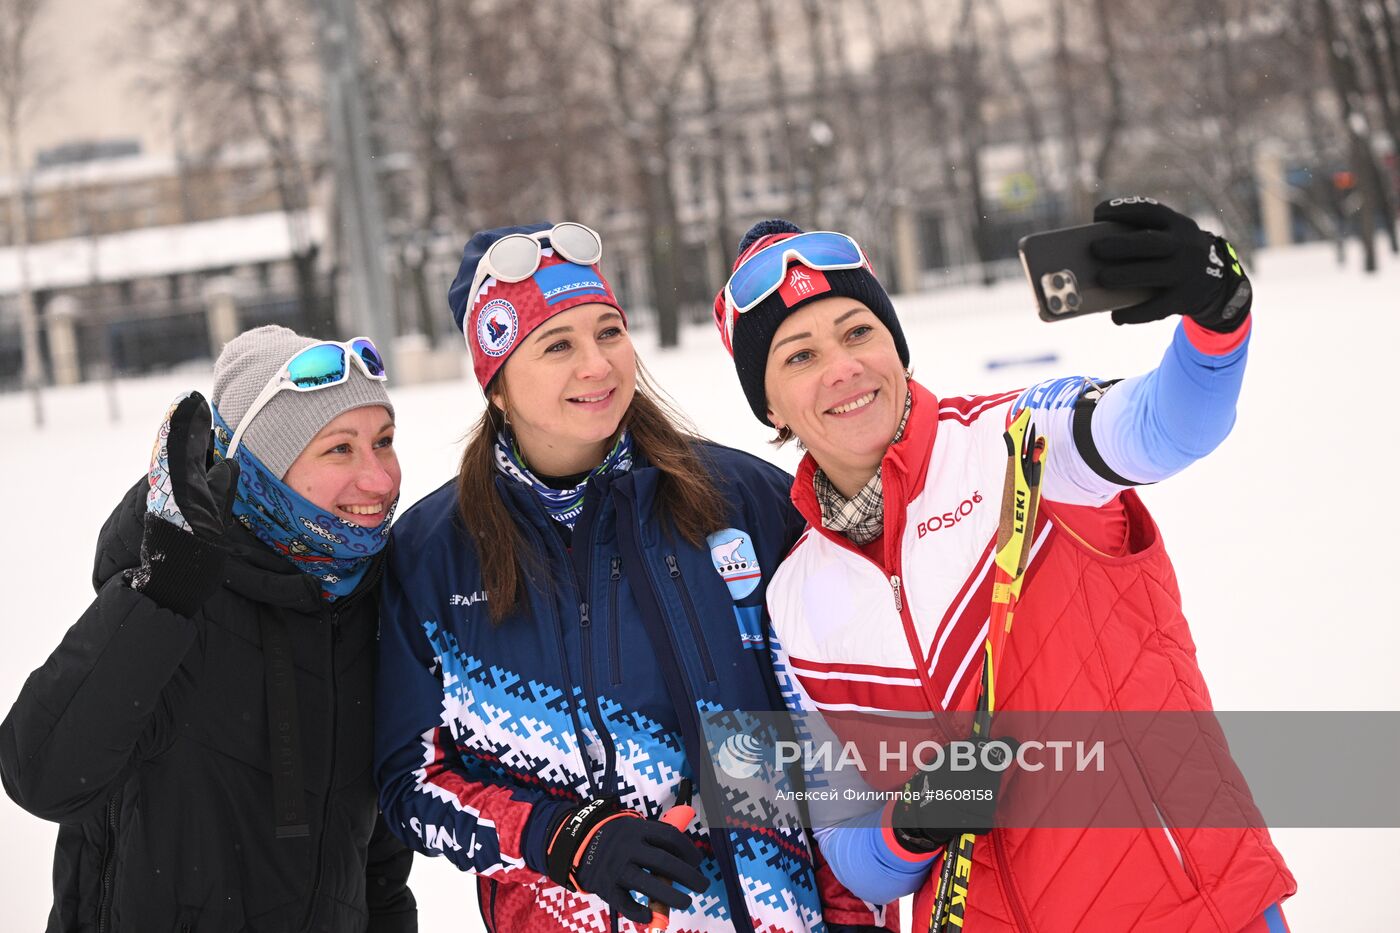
pixel 17 83
pixel 779 99
pixel 1342 69
pixel 417 93
pixel 717 136
pixel 240 69
pixel 647 78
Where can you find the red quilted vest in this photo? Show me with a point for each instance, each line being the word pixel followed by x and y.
pixel 1092 633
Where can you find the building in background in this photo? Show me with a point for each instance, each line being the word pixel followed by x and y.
pixel 937 140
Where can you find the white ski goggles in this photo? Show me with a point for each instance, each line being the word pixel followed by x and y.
pixel 516 257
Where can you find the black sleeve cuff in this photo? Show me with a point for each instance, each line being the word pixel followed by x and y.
pixel 179 570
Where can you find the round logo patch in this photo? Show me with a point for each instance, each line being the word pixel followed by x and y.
pixel 497 327
pixel 735 559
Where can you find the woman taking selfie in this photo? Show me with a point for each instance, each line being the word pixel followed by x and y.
pixel 894 601
pixel 202 734
pixel 559 617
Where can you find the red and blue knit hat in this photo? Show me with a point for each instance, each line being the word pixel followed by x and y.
pixel 503 314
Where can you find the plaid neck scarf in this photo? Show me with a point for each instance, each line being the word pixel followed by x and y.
pixel 862 517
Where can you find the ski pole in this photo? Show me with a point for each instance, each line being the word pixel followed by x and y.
pixel 1020 500
pixel 678 815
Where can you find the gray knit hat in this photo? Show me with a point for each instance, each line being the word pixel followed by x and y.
pixel 287 423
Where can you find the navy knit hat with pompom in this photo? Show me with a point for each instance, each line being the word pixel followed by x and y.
pixel 754 329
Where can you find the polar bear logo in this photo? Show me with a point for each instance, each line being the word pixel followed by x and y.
pixel 727 554
pixel 734 557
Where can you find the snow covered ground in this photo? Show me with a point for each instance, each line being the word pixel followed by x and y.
pixel 1262 533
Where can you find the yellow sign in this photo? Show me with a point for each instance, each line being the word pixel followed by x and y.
pixel 1018 191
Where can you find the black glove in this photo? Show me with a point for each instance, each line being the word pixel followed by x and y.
pixel 1195 272
pixel 939 805
pixel 187 510
pixel 603 849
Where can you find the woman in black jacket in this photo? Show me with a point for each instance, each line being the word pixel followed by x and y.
pixel 203 733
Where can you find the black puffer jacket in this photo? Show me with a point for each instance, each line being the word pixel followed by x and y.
pixel 146 735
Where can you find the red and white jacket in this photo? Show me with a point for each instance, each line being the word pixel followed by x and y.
pixel 904 632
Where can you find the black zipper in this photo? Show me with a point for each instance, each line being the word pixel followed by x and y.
pixel 701 648
pixel 614 623
pixel 109 866
pixel 565 685
pixel 330 777
pixel 585 637
pixel 692 735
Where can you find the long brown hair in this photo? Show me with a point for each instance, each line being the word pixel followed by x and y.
pixel 689 501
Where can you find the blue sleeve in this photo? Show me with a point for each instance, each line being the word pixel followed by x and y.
pixel 1152 426
pixel 1105 437
pixel 436 802
pixel 862 861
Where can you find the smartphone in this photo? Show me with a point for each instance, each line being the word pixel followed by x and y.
pixel 1064 274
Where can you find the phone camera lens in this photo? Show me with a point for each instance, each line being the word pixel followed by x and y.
pixel 1056 304
pixel 1058 281
pixel 1072 299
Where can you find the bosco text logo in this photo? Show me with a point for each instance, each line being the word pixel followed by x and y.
pixel 951 517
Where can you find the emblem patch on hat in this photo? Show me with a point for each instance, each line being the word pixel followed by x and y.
pixel 802 283
pixel 497 327
pixel 735 559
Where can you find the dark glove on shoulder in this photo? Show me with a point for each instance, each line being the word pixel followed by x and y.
pixel 939 805
pixel 602 849
pixel 1195 272
pixel 187 510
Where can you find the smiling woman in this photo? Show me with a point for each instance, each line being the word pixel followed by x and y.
pixel 623 561
pixel 920 623
pixel 227 664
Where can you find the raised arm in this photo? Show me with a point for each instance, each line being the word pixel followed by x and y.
pixel 81 718
pixel 1107 436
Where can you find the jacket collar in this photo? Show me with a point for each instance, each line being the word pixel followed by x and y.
pixel 259 574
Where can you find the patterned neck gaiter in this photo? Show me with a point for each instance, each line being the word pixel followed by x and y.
pixel 563 505
pixel 316 541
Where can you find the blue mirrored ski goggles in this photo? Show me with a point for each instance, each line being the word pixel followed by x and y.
pixel 318 366
pixel 764 272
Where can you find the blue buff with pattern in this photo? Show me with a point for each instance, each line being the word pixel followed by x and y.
pixel 318 543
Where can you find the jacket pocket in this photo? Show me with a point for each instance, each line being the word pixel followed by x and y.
pixel 1163 838
pixel 697 636
pixel 614 624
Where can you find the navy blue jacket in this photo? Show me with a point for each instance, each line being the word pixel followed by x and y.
pixel 598 683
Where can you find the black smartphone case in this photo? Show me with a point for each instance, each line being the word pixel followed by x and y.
pixel 1064 274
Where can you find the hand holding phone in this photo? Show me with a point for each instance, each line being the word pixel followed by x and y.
pixel 1141 260
pixel 1064 273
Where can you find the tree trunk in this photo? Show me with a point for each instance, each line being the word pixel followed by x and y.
pixel 318 314
pixel 1344 84
pixel 1079 199
pixel 778 100
pixel 718 165
pixel 968 59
